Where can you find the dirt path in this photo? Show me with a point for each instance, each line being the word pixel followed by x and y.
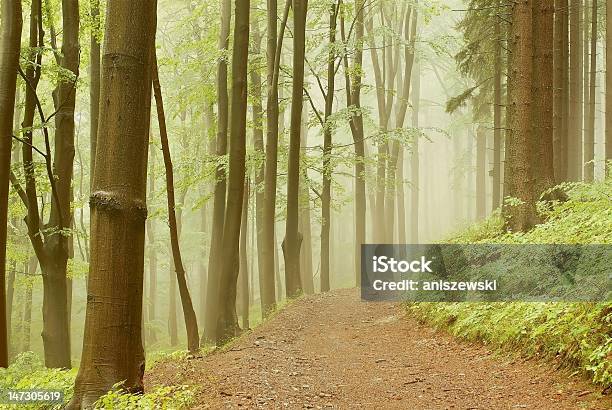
pixel 335 351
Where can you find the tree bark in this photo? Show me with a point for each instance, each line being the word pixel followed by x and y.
pixel 497 115
pixel 191 322
pixel 410 26
pixel 227 321
pixel 608 150
pixel 574 146
pixel 543 96
pixel 56 312
pixel 561 88
pixel 258 143
pixel 214 262
pixel 292 241
pixel 243 275
pixel 152 252
pixel 589 135
pixel 305 221
pixel 273 55
pixel 27 308
pixel 327 150
pixel 481 175
pixel 352 77
pixel 209 118
pixel 10 44
pixel 521 216
pixel 118 207
pixel 94 84
pixel 415 160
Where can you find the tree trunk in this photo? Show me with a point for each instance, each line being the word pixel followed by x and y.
pixel 56 319
pixel 209 118
pixel 415 159
pixel 410 26
pixel 561 86
pixel 521 216
pixel 305 222
pixel 589 135
pixel 543 96
pixel 10 44
pixel 293 239
pixel 273 51
pixel 353 79
pixel 327 150
pixel 152 252
pixel 258 143
pixel 10 293
pixel 574 146
pixel 27 311
pixel 118 208
pixel 481 175
pixel 381 76
pixel 243 275
pixel 172 306
pixel 214 262
pixel 497 116
pixel 191 322
pixel 227 322
pixel 608 150
pixel 94 84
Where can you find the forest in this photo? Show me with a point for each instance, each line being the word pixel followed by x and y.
pixel 186 189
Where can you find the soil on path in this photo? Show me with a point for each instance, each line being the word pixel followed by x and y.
pixel 335 351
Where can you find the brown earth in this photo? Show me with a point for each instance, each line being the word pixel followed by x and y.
pixel 335 351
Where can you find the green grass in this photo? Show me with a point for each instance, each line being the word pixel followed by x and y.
pixel 577 335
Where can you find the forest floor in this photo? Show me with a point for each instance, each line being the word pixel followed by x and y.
pixel 335 351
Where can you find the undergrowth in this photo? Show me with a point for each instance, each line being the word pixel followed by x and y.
pixel 577 335
pixel 28 372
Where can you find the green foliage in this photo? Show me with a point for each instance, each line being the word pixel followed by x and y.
pixel 575 334
pixel 28 372
pixel 166 397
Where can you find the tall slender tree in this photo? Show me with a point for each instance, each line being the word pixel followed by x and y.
pixel 574 144
pixel 118 207
pixel 521 215
pixel 152 251
pixel 608 149
pixel 353 79
pixel 10 42
pixel 214 263
pixel 327 149
pixel 94 83
pixel 497 112
pixel 561 90
pixel 543 99
pixel 292 241
pixel 269 249
pixel 191 322
pixel 589 135
pixel 227 321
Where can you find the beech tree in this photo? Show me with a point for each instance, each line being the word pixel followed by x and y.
pixel 214 264
pixel 118 206
pixel 608 131
pixel 293 239
pixel 273 57
pixel 52 241
pixel 10 42
pixel 227 321
pixel 191 323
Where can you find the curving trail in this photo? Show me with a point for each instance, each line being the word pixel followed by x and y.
pixel 334 351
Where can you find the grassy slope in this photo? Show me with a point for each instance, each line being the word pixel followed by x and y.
pixel 578 335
